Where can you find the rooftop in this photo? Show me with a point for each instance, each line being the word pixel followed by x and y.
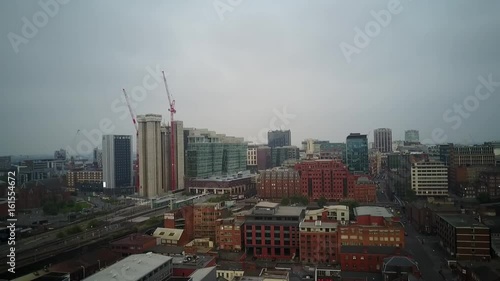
pixel 166 249
pixel 399 261
pixel 372 211
pixel 348 275
pixel 199 262
pixel 461 221
pixel 202 273
pixel 266 204
pixel 43 276
pixel 53 276
pixel 315 224
pixel 168 233
pixel 231 177
pixel 327 208
pixel 381 250
pixel 133 267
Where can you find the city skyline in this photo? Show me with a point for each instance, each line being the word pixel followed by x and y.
pixel 249 66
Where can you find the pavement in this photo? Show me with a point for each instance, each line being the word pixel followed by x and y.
pixel 429 255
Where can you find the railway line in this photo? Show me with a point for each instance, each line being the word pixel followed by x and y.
pixel 26 255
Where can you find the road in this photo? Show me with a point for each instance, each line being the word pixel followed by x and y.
pixel 429 255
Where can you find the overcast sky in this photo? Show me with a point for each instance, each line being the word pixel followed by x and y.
pixel 229 70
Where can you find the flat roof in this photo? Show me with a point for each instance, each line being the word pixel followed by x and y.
pixel 201 273
pixel 327 208
pixel 321 224
pixel 461 221
pixel 168 233
pixel 289 211
pixel 266 204
pixel 375 211
pixel 388 250
pixel 200 262
pixel 134 267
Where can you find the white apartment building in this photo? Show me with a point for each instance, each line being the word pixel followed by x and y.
pixel 429 178
pixel 333 212
pixel 252 155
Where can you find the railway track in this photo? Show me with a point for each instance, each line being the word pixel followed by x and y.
pixel 41 251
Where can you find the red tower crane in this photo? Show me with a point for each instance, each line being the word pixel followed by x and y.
pixel 172 136
pixel 132 114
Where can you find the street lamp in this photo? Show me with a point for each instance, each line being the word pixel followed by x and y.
pixel 83 270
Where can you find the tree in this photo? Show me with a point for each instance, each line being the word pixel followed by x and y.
pixel 483 197
pixel 285 201
pixel 74 230
pixel 94 223
pixel 50 208
pixel 410 195
pixel 322 201
pixel 299 199
pixel 60 234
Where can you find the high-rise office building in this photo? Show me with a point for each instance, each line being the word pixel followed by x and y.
pixel 117 161
pixel 357 153
pixel 151 167
pixel 60 154
pixel 5 163
pixel 412 136
pixel 429 178
pixel 211 154
pixel 179 155
pixel 97 158
pixel 383 140
pixel 279 138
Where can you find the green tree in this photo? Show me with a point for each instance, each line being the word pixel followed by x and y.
pixel 74 230
pixel 60 234
pixel 94 223
pixel 322 201
pixel 410 195
pixel 285 201
pixel 50 208
pixel 483 197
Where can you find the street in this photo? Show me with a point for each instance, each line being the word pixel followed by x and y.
pixel 429 256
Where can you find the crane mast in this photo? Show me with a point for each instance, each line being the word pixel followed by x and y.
pixel 132 114
pixel 172 136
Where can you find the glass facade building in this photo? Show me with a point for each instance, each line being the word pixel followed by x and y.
pixel 357 153
pixel 210 154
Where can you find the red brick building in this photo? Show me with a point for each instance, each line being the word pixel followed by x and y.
pixel 331 179
pixel 489 183
pixel 318 242
pixel 182 218
pixel 423 215
pixel 272 231
pixel 278 184
pixel 366 258
pixel 205 219
pixel 229 234
pixel 464 238
pixel 374 226
pixel 133 244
